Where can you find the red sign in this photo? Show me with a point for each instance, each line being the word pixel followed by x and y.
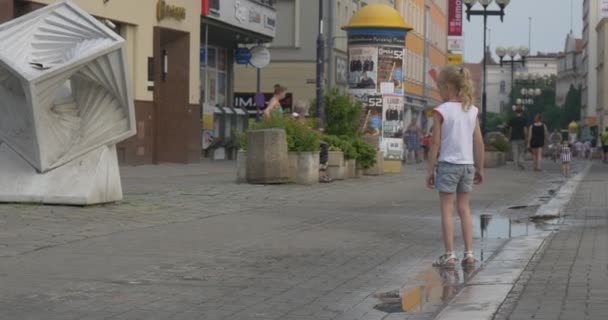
pixel 205 7
pixel 455 18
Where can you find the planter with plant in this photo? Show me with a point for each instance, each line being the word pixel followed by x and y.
pixel 496 148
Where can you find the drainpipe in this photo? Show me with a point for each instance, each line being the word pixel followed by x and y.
pixel 425 69
pixel 331 26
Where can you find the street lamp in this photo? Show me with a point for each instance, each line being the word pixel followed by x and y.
pixel 485 13
pixel 512 52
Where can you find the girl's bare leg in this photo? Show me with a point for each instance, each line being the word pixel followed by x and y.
pixel 447 223
pixel 466 222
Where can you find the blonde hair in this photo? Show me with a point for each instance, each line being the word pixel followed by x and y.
pixel 460 79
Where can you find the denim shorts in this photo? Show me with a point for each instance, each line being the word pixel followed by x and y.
pixel 452 178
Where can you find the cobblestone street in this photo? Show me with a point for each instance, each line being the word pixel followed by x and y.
pixel 189 243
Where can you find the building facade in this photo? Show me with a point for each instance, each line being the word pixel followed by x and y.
pixel 602 74
pixel 591 13
pixel 293 50
pixel 569 69
pixel 181 58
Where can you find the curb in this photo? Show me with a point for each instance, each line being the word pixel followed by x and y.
pixel 483 295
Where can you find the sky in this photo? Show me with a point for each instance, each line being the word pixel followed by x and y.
pixel 550 25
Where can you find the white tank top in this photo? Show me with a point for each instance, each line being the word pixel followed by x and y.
pixel 457 132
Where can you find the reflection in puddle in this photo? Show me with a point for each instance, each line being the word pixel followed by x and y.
pixel 490 226
pixel 440 286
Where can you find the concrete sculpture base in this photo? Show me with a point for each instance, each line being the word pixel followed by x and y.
pixel 90 179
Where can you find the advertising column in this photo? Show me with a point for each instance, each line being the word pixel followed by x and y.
pixel 376 72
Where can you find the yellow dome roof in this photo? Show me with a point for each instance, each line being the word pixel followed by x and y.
pixel 377 15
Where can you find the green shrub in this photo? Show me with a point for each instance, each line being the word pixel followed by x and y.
pixel 344 144
pixel 366 153
pixel 496 141
pixel 300 135
pixel 342 114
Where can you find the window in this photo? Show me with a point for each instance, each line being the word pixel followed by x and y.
pixel 214 5
pixel 503 86
pixel 214 69
pixel 286 27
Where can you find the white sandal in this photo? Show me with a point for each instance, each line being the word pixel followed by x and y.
pixel 447 260
pixel 469 259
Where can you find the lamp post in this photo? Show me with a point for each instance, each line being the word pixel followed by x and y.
pixel 320 70
pixel 512 52
pixel 485 13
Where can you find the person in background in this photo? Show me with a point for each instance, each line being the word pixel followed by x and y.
pixel 456 132
pixel 556 144
pixel 413 137
pixel 604 139
pixel 566 157
pixel 274 105
pixel 519 134
pixel 536 141
pixel 587 150
pixel 579 150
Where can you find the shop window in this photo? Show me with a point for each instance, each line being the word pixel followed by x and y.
pixel 214 77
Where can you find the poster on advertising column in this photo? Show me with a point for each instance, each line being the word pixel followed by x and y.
pixel 390 70
pixel 392 127
pixel 363 69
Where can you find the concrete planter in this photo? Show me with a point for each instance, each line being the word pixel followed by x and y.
pixel 358 171
pixel 267 157
pixel 292 158
pixel 378 168
pixel 351 167
pixel 336 165
pixel 494 159
pixel 308 168
pixel 241 166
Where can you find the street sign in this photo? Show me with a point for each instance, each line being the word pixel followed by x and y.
pixel 260 57
pixel 454 58
pixel 242 55
pixel 456 44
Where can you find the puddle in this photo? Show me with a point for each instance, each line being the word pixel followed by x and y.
pixel 488 226
pixel 440 286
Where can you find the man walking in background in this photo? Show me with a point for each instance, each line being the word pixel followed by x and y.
pixel 519 131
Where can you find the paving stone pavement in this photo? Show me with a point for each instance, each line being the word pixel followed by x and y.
pixel 189 243
pixel 568 279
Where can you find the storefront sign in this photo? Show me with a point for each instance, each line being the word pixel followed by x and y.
pixel 455 18
pixel 376 39
pixel 247 100
pixel 242 55
pixel 245 14
pixel 603 8
pixel 456 44
pixel 164 11
pixel 260 57
pixel 455 58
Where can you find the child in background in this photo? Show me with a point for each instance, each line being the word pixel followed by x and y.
pixel 566 155
pixel 457 134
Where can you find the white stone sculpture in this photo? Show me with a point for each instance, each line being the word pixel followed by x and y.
pixel 65 101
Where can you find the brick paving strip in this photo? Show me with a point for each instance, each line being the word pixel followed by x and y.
pixel 484 294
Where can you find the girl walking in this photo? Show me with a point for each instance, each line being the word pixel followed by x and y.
pixel 566 155
pixel 536 141
pixel 457 134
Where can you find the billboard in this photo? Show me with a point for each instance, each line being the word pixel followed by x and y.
pixel 455 18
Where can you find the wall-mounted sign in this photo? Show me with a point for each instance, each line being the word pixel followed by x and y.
pixel 260 57
pixel 244 14
pixel 456 44
pixel 603 8
pixel 242 55
pixel 164 11
pixel 455 18
pixel 454 58
pixel 248 101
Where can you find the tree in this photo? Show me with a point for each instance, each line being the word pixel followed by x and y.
pixel 572 107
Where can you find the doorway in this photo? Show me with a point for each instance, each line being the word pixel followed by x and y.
pixel 177 134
